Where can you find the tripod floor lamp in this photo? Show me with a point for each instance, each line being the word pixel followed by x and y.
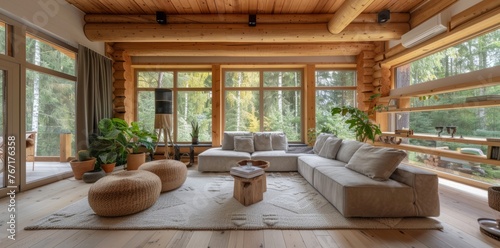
pixel 163 117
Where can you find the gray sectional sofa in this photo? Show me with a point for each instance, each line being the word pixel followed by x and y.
pixel 360 180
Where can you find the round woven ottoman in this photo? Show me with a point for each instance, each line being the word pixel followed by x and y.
pixel 124 193
pixel 172 173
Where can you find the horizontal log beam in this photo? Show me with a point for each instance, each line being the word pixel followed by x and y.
pixel 472 12
pixel 269 33
pixel 237 18
pixel 241 49
pixel 346 14
pixel 428 10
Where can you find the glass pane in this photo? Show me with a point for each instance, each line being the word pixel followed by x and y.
pixel 194 79
pixel 475 54
pixel 325 101
pixel 335 78
pixel 455 97
pixel 470 122
pixel 49 55
pixel 3 38
pixel 242 79
pixel 282 79
pixel 282 112
pixel 50 110
pixel 241 111
pixel 146 109
pixel 197 106
pixel 155 79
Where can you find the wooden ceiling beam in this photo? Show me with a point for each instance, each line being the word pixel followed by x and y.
pixel 346 14
pixel 241 49
pixel 428 10
pixel 237 18
pixel 267 33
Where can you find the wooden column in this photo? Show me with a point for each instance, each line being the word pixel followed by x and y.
pixel 64 147
pixel 217 102
pixel 123 86
pixel 364 68
pixel 310 103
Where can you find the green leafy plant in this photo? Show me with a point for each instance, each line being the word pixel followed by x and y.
pixel 359 122
pixel 108 157
pixel 195 129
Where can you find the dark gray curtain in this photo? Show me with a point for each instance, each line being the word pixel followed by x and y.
pixel 94 93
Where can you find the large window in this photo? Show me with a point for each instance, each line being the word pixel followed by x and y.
pixel 476 122
pixel 263 100
pixel 3 38
pixel 334 88
pixel 50 93
pixel 192 100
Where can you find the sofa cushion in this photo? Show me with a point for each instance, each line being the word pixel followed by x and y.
pixel 347 149
pixel 216 159
pixel 330 147
pixel 356 195
pixel 376 162
pixel 279 141
pixel 228 141
pixel 308 163
pixel 262 142
pixel 278 160
pixel 320 141
pixel 243 144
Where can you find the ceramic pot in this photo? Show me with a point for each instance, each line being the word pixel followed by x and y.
pixel 134 160
pixel 108 168
pixel 80 167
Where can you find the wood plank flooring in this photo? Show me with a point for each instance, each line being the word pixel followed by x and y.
pixel 460 207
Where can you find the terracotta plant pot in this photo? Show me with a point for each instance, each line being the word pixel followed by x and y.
pixel 108 168
pixel 80 167
pixel 134 160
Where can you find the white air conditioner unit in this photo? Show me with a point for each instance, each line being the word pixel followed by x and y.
pixel 428 29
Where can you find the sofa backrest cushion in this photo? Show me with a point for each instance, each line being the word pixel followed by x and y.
pixel 228 140
pixel 330 148
pixel 243 144
pixel 320 140
pixel 262 141
pixel 376 162
pixel 347 149
pixel 279 141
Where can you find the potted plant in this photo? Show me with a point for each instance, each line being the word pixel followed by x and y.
pixel 140 141
pixel 108 161
pixel 195 131
pixel 83 163
pixel 359 122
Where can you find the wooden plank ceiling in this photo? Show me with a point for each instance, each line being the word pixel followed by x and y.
pixel 341 27
pixel 183 7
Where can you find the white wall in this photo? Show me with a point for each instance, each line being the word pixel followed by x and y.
pixel 56 17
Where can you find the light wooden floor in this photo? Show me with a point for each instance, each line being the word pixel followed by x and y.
pixel 460 208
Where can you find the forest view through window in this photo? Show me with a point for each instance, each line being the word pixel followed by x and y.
pixel 264 100
pixel 3 38
pixel 51 94
pixel 334 88
pixel 477 122
pixel 192 96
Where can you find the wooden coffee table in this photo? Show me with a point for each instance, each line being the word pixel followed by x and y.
pixel 248 190
pixel 259 163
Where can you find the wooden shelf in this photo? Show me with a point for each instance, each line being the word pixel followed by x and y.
pixel 446 106
pixel 476 141
pixel 443 153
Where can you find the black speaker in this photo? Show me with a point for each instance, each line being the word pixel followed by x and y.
pixel 252 20
pixel 161 17
pixel 163 101
pixel 384 16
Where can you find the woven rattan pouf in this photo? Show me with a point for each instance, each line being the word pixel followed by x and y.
pixel 172 173
pixel 124 193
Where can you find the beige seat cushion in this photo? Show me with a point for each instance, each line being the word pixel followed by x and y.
pixel 172 173
pixel 124 193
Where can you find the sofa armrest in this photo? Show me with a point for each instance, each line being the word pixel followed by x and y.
pixel 425 188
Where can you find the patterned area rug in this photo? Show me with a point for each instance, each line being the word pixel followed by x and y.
pixel 205 202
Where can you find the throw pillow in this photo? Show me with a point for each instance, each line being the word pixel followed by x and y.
pixel 243 144
pixel 228 141
pixel 262 142
pixel 347 149
pixel 279 141
pixel 320 140
pixel 330 147
pixel 376 162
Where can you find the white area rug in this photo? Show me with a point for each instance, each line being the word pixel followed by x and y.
pixel 205 202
